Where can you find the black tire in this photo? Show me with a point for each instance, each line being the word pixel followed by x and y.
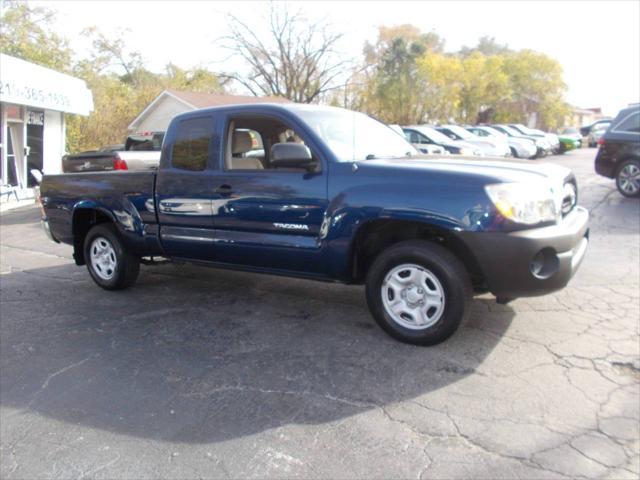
pixel 439 262
pixel 127 266
pixel 624 166
pixel 514 152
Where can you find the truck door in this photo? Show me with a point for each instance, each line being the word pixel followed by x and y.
pixel 263 216
pixel 184 188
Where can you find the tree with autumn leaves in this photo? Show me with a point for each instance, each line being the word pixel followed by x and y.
pixel 407 78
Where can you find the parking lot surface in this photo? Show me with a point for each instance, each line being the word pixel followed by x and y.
pixel 201 373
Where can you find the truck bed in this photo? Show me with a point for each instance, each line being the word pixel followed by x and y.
pixel 128 195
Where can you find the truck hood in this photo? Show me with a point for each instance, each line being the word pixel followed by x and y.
pixel 491 171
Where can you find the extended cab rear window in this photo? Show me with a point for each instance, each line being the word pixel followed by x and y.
pixel 191 145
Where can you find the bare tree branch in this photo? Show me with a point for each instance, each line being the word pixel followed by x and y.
pixel 296 60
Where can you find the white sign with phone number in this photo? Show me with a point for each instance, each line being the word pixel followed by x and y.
pixel 25 83
pixel 33 94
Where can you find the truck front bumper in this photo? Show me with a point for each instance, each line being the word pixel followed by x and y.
pixel 532 262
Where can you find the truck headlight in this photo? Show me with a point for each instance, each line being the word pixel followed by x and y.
pixel 466 151
pixel 523 203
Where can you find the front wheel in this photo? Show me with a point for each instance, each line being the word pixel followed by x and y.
pixel 418 292
pixel 109 264
pixel 628 178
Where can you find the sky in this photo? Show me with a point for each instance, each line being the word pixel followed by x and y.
pixel 596 42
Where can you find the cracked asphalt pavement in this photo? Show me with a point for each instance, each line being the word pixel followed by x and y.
pixel 202 373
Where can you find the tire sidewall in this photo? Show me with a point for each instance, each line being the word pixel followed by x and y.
pixel 622 165
pixel 108 233
pixel 456 295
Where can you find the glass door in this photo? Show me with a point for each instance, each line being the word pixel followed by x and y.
pixel 14 142
pixel 15 154
pixel 35 130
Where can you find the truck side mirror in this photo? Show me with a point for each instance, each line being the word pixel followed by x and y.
pixel 291 155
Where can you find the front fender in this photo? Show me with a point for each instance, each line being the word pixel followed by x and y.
pixel 441 201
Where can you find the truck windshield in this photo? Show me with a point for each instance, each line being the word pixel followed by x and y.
pixel 353 136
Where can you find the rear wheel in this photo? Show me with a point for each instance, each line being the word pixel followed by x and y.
pixel 109 264
pixel 628 178
pixel 418 292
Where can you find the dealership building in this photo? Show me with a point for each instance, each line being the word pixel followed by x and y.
pixel 33 102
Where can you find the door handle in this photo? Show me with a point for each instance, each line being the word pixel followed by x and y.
pixel 224 190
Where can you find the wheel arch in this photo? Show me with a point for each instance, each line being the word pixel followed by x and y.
pixel 377 235
pixel 625 158
pixel 85 216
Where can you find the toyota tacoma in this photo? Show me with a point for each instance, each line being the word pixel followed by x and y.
pixel 328 194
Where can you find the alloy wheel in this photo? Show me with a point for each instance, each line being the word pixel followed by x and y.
pixel 629 179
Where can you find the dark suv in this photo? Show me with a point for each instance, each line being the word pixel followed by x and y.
pixel 619 152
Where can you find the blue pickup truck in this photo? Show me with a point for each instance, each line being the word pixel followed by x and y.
pixel 328 194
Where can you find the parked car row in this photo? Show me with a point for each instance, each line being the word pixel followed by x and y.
pixel 519 147
pixel 512 140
